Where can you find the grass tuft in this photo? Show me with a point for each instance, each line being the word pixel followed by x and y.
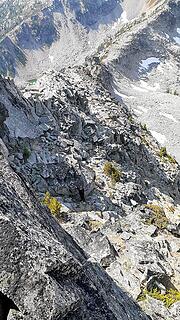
pixel 112 172
pixel 165 156
pixel 52 203
pixel 168 298
pixel 158 217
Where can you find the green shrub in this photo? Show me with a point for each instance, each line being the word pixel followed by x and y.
pixel 52 203
pixel 158 217
pixel 130 118
pixel 176 93
pixel 165 156
pixel 26 153
pixel 95 225
pixel 112 172
pixel 32 81
pixel 168 298
pixel 171 209
pixel 173 92
pixel 144 127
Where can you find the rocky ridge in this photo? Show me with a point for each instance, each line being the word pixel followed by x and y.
pixel 143 60
pixel 43 272
pixel 58 134
pixel 57 33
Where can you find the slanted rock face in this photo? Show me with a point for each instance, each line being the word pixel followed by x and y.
pixel 43 272
pixel 60 135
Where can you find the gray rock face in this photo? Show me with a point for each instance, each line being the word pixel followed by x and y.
pixel 43 272
pixel 71 133
pixel 57 135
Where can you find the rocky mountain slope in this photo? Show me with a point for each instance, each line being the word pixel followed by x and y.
pixel 43 273
pixel 144 63
pixel 119 192
pixel 56 33
pixel 89 200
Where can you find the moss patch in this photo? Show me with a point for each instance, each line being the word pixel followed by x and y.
pixel 52 203
pixel 26 153
pixel 32 81
pixel 168 298
pixel 158 217
pixel 112 172
pixel 165 156
pixel 95 225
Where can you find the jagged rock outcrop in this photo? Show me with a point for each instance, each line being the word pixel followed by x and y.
pixel 71 135
pixel 43 273
pixel 58 135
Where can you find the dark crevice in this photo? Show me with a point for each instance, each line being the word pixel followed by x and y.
pixel 5 305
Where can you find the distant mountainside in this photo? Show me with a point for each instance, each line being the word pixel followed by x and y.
pixel 143 60
pixel 37 35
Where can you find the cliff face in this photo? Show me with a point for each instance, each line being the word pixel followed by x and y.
pixel 70 137
pixel 43 272
pixel 61 135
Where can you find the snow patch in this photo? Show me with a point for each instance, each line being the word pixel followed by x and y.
pixel 122 95
pixel 160 68
pixel 158 136
pixel 149 88
pixel 124 17
pixel 144 87
pixel 169 116
pixel 143 109
pixel 177 39
pixel 138 112
pixel 138 88
pixel 145 64
pixel 51 58
pixel 169 65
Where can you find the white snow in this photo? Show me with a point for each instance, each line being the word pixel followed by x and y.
pixel 124 17
pixel 138 111
pixel 133 202
pixel 177 40
pixel 51 58
pixel 158 136
pixel 138 88
pixel 178 30
pixel 169 116
pixel 145 86
pixel 169 65
pixel 122 95
pixel 143 109
pixel 145 64
pixel 160 68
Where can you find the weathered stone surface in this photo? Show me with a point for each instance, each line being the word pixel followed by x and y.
pixel 129 226
pixel 43 271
